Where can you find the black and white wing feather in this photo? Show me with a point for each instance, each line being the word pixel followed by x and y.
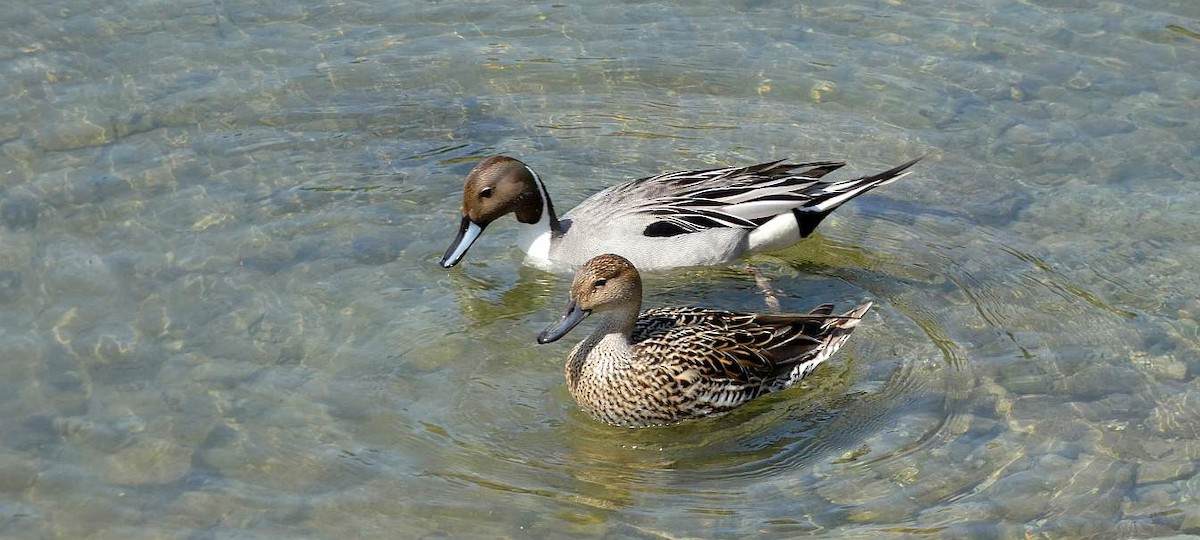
pixel 737 197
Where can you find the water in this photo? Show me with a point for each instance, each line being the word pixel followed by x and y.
pixel 222 314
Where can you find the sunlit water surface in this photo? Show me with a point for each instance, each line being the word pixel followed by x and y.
pixel 221 313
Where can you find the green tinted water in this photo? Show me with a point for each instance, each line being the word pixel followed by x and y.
pixel 221 313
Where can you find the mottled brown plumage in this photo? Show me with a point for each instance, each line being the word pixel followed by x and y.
pixel 669 365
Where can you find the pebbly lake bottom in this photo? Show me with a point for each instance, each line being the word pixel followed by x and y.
pixel 221 313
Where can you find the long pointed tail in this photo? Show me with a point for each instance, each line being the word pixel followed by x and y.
pixel 837 193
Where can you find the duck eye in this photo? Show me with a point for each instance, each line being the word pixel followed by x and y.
pixel 486 192
pixel 600 282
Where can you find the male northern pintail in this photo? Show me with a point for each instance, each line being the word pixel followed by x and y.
pixel 668 365
pixel 686 218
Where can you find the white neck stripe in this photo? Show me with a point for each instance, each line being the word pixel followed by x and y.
pixel 535 239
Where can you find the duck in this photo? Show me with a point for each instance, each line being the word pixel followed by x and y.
pixel 668 365
pixel 671 220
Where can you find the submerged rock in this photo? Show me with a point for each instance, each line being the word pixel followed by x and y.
pixel 1099 380
pixel 19 212
pixel 10 285
pixel 1153 472
pixel 1178 416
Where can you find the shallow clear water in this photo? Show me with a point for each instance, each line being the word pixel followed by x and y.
pixel 221 313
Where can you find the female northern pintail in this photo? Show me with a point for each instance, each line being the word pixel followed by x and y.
pixel 687 218
pixel 668 365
